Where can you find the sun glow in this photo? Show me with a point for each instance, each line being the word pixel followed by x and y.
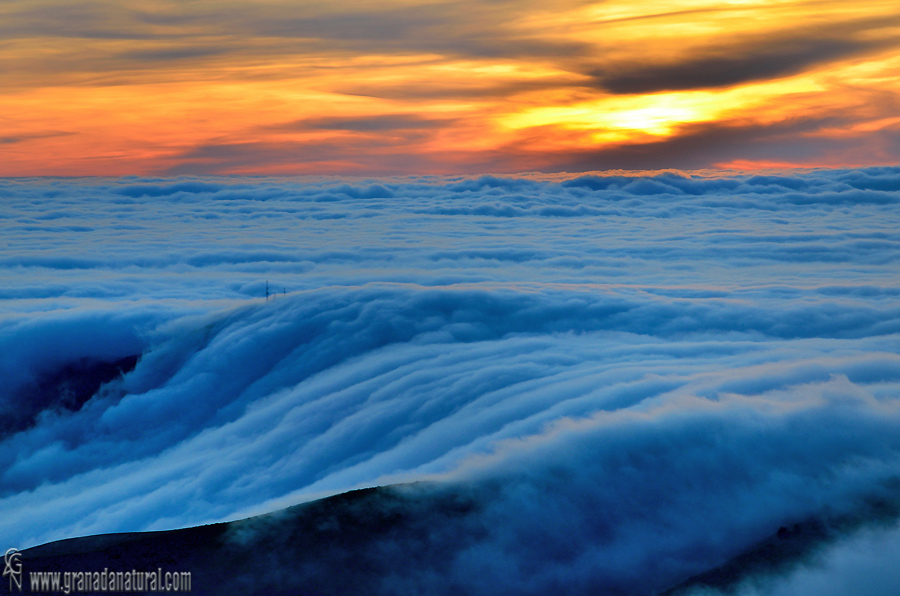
pixel 615 119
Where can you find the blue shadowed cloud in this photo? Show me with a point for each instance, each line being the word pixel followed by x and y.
pixel 638 377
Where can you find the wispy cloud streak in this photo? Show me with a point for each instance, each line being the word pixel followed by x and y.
pixel 503 87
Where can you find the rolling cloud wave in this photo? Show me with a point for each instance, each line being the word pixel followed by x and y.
pixel 630 398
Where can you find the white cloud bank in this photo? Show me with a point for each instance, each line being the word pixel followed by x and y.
pixel 656 371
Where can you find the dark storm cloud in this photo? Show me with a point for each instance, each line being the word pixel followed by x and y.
pixel 731 66
pixel 173 53
pixel 755 58
pixel 374 155
pixel 84 19
pixel 21 138
pixel 698 146
pixel 470 29
pixel 371 124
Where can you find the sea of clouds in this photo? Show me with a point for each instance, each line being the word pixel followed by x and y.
pixel 657 371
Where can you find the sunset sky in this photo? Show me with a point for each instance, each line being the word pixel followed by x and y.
pixel 156 87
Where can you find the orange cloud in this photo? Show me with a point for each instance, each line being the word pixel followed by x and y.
pixel 105 88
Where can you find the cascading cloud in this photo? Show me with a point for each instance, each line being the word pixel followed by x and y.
pixel 649 374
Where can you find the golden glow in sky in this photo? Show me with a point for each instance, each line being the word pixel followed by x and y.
pixel 348 87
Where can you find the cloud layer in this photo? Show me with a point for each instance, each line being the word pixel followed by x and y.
pixel 646 374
